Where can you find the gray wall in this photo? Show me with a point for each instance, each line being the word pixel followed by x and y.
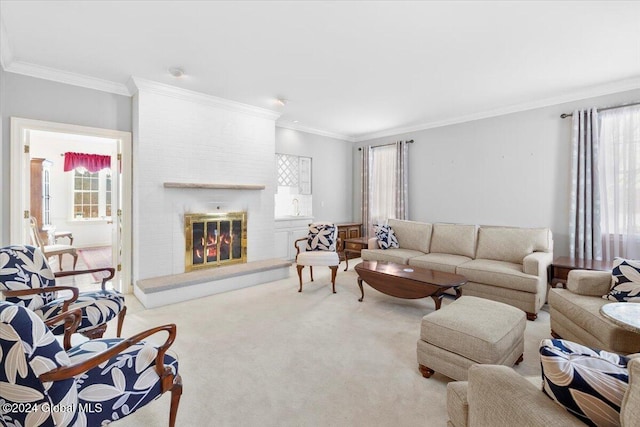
pixel 331 178
pixel 507 170
pixel 39 99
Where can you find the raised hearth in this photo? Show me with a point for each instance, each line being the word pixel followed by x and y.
pixel 163 290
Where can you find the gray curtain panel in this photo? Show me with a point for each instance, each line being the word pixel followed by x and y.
pixel 402 180
pixel 366 190
pixel 585 237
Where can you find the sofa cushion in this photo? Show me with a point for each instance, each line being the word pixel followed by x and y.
pixel 511 244
pixel 386 237
pixel 499 273
pixel 455 239
pixel 589 383
pixel 412 234
pixel 397 255
pixel 440 262
pixel 626 281
pixel 584 312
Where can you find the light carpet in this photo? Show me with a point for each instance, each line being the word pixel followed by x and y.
pixel 270 356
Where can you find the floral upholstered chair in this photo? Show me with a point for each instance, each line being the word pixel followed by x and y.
pixel 27 280
pixel 97 382
pixel 320 250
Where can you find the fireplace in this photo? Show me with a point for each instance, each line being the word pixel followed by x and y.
pixel 215 239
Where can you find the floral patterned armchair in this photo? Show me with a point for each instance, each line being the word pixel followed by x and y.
pixel 94 383
pixel 27 280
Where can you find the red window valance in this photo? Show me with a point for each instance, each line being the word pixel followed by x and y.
pixel 91 162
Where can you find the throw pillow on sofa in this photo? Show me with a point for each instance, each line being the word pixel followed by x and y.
pixel 386 237
pixel 321 237
pixel 625 286
pixel 589 383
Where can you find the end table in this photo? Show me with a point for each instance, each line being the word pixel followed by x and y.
pixel 353 248
pixel 560 268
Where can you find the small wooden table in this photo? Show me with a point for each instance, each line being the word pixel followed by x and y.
pixel 353 248
pixel 624 314
pixel 560 268
pixel 404 281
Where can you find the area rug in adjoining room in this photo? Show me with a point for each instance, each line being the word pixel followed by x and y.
pixel 96 258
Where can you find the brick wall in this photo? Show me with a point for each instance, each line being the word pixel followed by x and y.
pixel 183 140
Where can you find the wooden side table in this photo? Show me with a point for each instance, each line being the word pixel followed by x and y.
pixel 353 248
pixel 560 268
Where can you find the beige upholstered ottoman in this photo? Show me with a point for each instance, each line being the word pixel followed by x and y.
pixel 467 331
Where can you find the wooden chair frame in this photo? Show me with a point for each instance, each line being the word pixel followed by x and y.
pixel 334 269
pixel 99 330
pixel 168 381
pixel 47 250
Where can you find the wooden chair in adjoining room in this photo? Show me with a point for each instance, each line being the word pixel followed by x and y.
pixel 320 250
pixel 27 280
pixel 94 383
pixel 51 250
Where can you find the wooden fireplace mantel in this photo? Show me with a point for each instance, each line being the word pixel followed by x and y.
pixel 214 186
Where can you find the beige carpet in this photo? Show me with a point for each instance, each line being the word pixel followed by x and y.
pixel 270 356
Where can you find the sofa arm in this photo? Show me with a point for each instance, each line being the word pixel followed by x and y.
pixel 537 264
pixel 500 397
pixel 373 243
pixel 589 282
pixel 630 409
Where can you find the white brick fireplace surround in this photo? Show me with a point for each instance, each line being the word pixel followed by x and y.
pixel 182 136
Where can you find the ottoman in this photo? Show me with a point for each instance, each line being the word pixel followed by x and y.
pixel 467 331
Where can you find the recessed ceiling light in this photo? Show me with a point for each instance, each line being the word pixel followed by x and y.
pixel 176 72
pixel 295 121
pixel 281 101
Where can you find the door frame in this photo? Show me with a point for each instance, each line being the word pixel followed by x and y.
pixel 19 200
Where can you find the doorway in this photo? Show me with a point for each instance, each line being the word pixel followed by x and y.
pixel 91 210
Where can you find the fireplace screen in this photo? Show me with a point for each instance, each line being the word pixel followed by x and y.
pixel 215 239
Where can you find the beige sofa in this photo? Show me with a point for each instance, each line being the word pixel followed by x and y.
pixel 505 264
pixel 499 397
pixel 575 314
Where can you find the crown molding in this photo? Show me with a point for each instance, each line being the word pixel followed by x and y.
pixel 137 84
pixel 67 77
pixel 301 128
pixel 6 54
pixel 591 92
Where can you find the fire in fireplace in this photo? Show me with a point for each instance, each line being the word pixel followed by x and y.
pixel 215 239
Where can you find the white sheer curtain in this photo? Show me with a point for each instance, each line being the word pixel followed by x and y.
pixel 382 199
pixel 620 182
pixel 384 184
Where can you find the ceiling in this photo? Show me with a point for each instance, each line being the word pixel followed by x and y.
pixel 354 70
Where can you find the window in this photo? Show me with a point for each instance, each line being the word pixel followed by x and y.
pixel 91 194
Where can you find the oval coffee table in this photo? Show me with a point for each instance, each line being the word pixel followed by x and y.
pixel 408 282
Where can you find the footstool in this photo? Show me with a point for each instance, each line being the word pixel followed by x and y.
pixel 467 331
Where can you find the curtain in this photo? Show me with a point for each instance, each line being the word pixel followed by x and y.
pixel 620 182
pixel 382 200
pixel 584 224
pixel 91 162
pixel 366 190
pixel 384 184
pixel 402 180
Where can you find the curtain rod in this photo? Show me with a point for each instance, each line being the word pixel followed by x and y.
pixel 565 115
pixel 393 143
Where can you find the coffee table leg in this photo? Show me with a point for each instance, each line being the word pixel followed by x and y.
pixel 438 300
pixel 361 289
pixel 458 292
pixel 346 261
